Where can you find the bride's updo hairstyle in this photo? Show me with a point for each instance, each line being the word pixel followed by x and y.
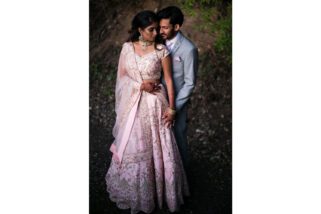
pixel 142 20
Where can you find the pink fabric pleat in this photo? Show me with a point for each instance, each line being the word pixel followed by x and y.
pixel 118 154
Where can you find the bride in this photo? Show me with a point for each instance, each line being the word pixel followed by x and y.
pixel 146 167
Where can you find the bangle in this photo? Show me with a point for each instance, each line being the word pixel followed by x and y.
pixel 171 111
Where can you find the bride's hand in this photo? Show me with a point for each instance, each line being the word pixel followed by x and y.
pixel 169 119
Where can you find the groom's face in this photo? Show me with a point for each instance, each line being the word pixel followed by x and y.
pixel 167 30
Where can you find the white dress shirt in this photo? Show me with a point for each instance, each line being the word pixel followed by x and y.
pixel 170 43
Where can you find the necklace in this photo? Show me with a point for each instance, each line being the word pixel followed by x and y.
pixel 144 43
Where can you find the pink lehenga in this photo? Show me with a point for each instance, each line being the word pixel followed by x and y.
pixel 146 167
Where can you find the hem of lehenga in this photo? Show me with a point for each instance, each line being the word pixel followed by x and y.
pixel 132 157
pixel 126 207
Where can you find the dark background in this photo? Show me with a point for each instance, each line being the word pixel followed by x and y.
pixel 208 24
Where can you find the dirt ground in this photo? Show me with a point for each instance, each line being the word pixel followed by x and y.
pixel 210 116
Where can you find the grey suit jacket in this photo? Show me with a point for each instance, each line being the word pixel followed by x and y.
pixel 184 67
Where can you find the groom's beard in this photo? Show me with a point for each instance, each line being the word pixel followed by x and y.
pixel 169 35
pixel 164 36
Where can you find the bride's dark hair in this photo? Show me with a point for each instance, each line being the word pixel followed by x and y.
pixel 142 20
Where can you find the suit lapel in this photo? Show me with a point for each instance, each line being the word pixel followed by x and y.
pixel 177 43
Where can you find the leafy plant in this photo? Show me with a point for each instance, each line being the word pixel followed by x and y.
pixel 216 19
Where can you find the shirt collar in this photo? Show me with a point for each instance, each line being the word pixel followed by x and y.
pixel 173 40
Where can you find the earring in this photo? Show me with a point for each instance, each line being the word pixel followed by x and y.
pixel 144 43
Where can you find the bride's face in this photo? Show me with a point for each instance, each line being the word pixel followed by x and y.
pixel 149 33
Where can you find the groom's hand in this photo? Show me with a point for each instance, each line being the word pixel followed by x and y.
pixel 150 87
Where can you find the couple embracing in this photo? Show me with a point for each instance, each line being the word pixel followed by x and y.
pixel 155 78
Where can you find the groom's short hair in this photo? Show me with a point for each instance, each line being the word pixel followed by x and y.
pixel 173 13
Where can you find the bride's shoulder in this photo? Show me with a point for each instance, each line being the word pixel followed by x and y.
pixel 127 44
pixel 162 50
pixel 161 47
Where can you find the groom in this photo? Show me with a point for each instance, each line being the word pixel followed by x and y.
pixel 184 66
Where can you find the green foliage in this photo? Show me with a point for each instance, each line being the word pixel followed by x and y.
pixel 96 71
pixel 216 19
pixel 102 72
pixel 108 91
pixel 103 78
pixel 223 33
pixel 191 3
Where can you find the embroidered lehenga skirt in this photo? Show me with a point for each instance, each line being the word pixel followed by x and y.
pixel 150 172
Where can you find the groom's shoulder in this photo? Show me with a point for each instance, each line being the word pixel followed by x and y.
pixel 187 44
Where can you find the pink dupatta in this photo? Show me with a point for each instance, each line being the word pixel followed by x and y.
pixel 127 95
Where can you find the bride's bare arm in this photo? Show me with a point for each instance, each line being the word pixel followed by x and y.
pixel 167 69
